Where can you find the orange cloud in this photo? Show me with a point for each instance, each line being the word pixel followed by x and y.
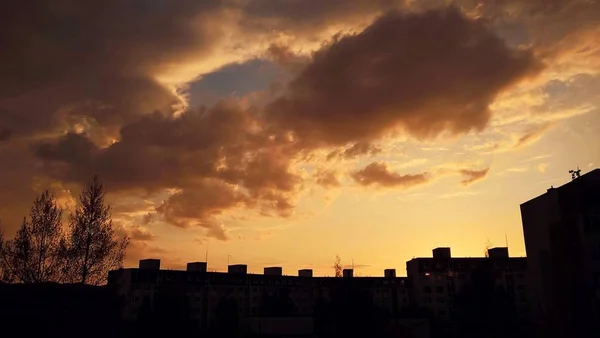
pixel 338 99
pixel 355 150
pixel 124 125
pixel 473 176
pixel 327 178
pixel 532 136
pixel 377 173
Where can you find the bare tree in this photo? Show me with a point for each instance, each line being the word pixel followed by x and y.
pixel 33 256
pixel 337 266
pixel 5 273
pixel 92 248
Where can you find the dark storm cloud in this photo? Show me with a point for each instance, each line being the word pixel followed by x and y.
pixel 426 73
pixel 218 158
pixel 138 233
pixel 78 84
pixel 556 29
pixel 61 54
pixel 304 17
pixel 210 198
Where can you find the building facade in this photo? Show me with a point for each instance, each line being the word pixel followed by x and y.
pixel 432 284
pixel 562 239
pixel 268 295
pixel 436 281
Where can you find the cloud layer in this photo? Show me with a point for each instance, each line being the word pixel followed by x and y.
pixel 425 73
pixel 100 88
pixel 377 173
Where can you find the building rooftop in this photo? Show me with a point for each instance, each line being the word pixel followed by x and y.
pixel 593 175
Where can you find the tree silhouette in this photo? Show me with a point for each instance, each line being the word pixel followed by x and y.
pixel 33 256
pixel 6 276
pixel 92 249
pixel 337 266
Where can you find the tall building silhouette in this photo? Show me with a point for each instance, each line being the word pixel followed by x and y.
pixel 256 298
pixel 436 281
pixel 562 239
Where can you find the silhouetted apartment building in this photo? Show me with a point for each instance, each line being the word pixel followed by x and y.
pixel 562 239
pixel 271 294
pixel 436 281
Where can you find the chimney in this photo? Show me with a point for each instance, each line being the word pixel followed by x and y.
pixel 305 273
pixel 389 273
pixel 273 271
pixel 150 264
pixel 348 273
pixel 240 269
pixel 443 252
pixel 196 266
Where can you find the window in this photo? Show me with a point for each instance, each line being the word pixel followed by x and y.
pixel 522 299
pixel 439 289
pixel 440 300
pixel 427 289
pixel 427 300
pixel 520 275
pixel 521 287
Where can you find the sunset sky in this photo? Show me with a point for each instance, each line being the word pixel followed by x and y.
pixel 284 132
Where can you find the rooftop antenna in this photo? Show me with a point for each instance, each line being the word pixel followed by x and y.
pixel 506 240
pixel 206 253
pixel 575 174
